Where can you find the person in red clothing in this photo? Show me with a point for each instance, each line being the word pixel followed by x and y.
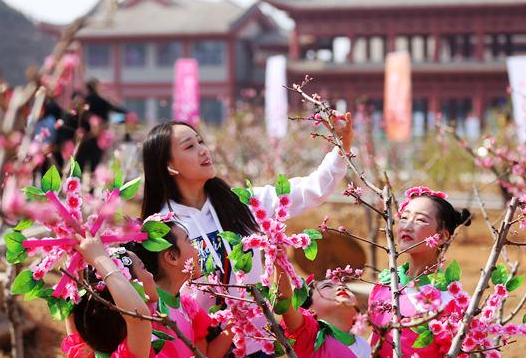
pixel 93 328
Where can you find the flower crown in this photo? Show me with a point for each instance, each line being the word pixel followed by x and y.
pixel 419 191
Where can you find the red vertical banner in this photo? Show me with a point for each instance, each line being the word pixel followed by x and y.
pixel 186 91
pixel 397 96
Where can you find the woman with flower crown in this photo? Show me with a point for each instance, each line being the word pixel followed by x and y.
pixel 426 222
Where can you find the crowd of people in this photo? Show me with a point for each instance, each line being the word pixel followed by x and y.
pixel 181 184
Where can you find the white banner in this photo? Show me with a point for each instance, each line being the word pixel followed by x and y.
pixel 276 96
pixel 517 76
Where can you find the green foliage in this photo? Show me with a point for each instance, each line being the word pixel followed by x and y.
pixel 130 189
pixel 23 283
pixel 499 274
pixel 281 306
pixel 438 279
pixel 33 193
pixel 231 237
pixel 51 180
pixel 75 169
pixel 23 225
pixel 170 300
pixel 156 244
pixel 313 234
pixel 311 251
pixel 300 295
pixel 155 229
pixel 209 265
pixel 117 179
pixel 453 272
pixel 243 195
pixel 15 253
pixel 514 283
pixel 60 309
pixel 282 185
pixel 424 339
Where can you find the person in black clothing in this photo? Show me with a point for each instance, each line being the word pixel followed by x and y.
pixel 89 152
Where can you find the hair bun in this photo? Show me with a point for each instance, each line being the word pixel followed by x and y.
pixel 464 217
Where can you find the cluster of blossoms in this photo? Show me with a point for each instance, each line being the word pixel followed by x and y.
pixel 241 314
pixel 354 191
pixel 419 191
pixel 445 327
pixel 433 240
pixel 339 275
pixel 273 240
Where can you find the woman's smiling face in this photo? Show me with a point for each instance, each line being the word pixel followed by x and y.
pixel 417 222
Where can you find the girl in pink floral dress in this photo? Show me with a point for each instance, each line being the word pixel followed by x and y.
pixel 425 215
pixel 93 329
pixel 323 327
pixel 168 270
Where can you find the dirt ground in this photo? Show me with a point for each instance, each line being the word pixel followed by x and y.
pixel 470 249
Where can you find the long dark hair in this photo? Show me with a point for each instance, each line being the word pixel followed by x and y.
pixel 160 187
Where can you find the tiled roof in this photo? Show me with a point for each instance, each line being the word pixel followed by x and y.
pixel 168 17
pixel 365 4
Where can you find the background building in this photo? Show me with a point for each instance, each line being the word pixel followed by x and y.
pixel 133 53
pixel 458 50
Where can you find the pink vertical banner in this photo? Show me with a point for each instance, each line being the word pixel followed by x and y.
pixel 186 91
pixel 397 96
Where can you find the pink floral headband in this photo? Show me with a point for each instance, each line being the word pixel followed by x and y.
pixel 419 191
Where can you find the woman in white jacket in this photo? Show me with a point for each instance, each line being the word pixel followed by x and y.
pixel 180 177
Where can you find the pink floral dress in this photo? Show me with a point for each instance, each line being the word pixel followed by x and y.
pixel 409 306
pixel 75 347
pixel 307 342
pixel 192 320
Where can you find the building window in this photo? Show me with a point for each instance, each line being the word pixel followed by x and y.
pixel 135 55
pixel 212 110
pixel 209 52
pixel 98 55
pixel 164 110
pixel 168 53
pixel 136 105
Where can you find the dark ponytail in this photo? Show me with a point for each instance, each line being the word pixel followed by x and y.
pixel 160 188
pixel 448 217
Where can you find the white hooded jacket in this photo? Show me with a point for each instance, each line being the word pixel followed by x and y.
pixel 203 225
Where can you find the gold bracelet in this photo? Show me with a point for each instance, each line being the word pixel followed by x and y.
pixel 109 274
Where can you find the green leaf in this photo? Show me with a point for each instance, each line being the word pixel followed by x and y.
pixel 215 308
pixel 16 257
pixel 129 189
pixel 282 185
pixel 162 335
pixel 33 193
pixel 249 186
pixel 300 295
pixel 231 237
pixel 499 275
pixel 320 338
pixel 102 355
pixel 117 180
pixel 278 349
pixel 244 263
pixel 313 234
pixel 453 272
pixel 514 283
pixel 60 309
pixel 524 319
pixel 424 339
pixel 236 252
pixel 209 264
pixel 311 251
pixel 420 329
pixel 23 225
pixel 51 180
pixel 36 292
pixel 155 229
pixel 281 306
pixel 75 169
pixel 23 283
pixel 163 308
pixel 243 195
pixel 158 345
pixel 140 290
pixel 170 300
pixel 438 279
pixel 13 241
pixel 156 244
pixel 265 291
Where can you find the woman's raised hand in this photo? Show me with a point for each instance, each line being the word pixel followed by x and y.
pixel 343 128
pixel 90 247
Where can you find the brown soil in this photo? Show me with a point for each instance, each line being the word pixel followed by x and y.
pixel 470 248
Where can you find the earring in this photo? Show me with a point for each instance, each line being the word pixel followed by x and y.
pixel 172 171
